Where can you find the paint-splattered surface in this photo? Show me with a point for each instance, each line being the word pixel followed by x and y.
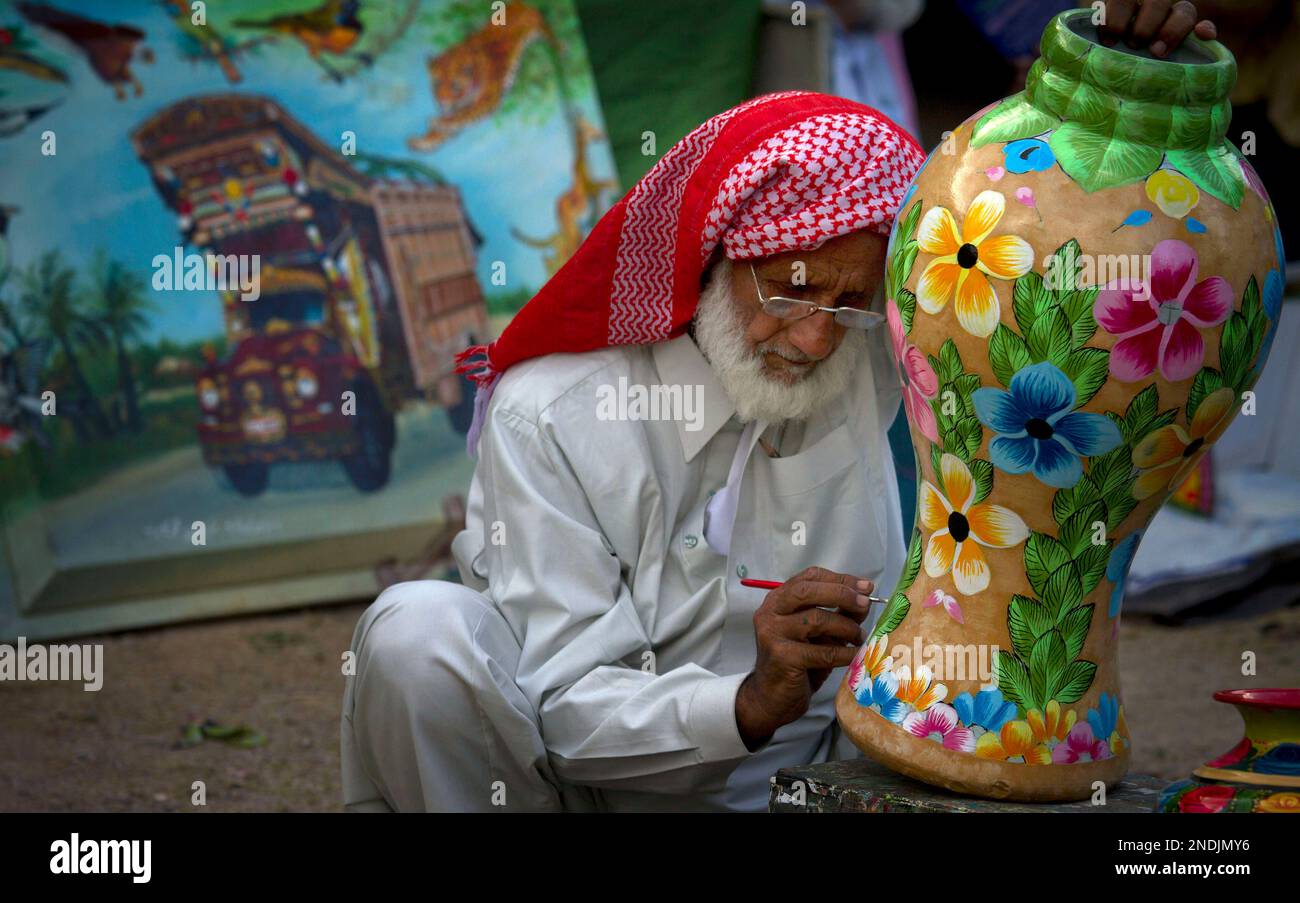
pixel 861 785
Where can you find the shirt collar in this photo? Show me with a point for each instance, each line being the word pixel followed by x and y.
pixel 680 362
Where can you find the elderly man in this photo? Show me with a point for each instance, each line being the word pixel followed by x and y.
pixel 602 652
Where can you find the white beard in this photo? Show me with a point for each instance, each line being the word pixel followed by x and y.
pixel 756 393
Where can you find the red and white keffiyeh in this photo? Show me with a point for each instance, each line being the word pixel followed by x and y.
pixel 781 172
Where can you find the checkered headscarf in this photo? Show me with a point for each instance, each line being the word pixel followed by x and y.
pixel 781 172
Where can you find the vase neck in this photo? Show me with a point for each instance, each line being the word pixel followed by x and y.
pixel 1175 103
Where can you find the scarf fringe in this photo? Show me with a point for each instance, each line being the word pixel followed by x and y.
pixel 475 365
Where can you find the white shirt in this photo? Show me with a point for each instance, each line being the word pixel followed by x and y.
pixel 635 635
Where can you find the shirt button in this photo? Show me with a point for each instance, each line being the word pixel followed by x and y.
pixel 691 540
pixel 741 571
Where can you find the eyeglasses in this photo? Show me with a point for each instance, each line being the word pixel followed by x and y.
pixel 794 309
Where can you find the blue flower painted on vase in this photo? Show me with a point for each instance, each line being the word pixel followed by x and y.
pixel 987 709
pixel 1274 288
pixel 883 692
pixel 1105 716
pixel 1121 559
pixel 1029 155
pixel 1038 428
pixel 1281 759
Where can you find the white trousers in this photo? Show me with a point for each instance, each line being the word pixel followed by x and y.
pixel 432 718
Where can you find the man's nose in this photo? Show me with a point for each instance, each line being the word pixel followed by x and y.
pixel 815 336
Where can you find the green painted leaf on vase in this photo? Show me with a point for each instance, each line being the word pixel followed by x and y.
pixel 892 616
pixel 1008 354
pixel 1067 501
pixel 1077 531
pixel 1190 126
pixel 1043 555
pixel 1074 629
pixel 1052 91
pixel 913 564
pixel 1013 679
pixel 949 361
pixel 1047 664
pixel 1077 306
pixel 1096 160
pixel 1092 565
pixel 1049 340
pixel 1092 105
pixel 1029 300
pixel 1145 122
pixel 1087 369
pixel 982 472
pixel 901 266
pixel 1214 170
pixel 972 436
pixel 1063 591
pixel 1011 120
pixel 906 302
pixel 1140 410
pixel 1206 381
pixel 1077 679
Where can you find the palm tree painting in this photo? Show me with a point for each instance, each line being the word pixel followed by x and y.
pixel 50 301
pixel 121 308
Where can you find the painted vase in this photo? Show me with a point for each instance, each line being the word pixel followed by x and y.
pixel 1259 774
pixel 1083 283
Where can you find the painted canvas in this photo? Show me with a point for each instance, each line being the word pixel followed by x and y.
pixel 242 243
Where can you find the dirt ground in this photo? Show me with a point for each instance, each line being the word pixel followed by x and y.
pixel 64 749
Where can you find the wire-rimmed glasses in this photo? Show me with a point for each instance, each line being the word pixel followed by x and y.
pixel 795 309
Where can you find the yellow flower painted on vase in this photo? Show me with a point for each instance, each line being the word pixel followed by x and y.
pixel 958 528
pixel 1118 739
pixel 1287 801
pixel 1172 192
pixel 964 260
pixel 1015 741
pixel 1051 724
pixel 918 689
pixel 1028 739
pixel 1166 456
pixel 877 659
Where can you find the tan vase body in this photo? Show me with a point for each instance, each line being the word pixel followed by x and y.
pixel 1083 284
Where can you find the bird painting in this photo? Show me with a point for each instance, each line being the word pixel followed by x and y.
pixel 332 28
pixel 109 49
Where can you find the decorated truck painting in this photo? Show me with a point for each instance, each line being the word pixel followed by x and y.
pixel 367 287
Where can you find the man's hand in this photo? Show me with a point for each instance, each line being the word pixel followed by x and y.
pixel 799 644
pixel 1159 25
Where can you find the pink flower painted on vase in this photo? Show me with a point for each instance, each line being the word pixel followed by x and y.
pixel 940 722
pixel 1158 322
pixel 937 596
pixel 920 383
pixel 857 669
pixel 1080 746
